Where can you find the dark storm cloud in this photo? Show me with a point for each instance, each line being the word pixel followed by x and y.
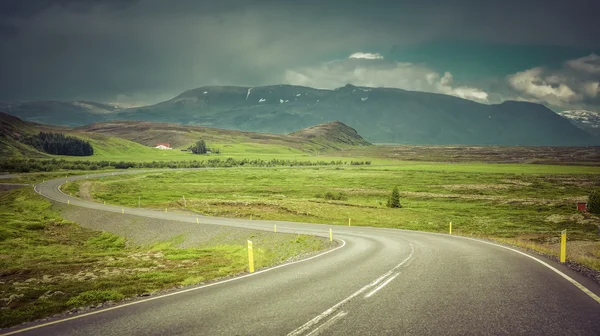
pixel 150 49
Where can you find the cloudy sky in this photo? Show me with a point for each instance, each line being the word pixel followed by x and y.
pixel 145 51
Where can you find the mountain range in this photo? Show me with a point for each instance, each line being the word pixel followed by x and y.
pixel 380 115
pixel 586 120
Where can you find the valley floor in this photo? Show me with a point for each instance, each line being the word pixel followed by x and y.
pixel 527 205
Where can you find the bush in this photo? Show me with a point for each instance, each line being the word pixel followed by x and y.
pixel 593 205
pixel 335 197
pixel 394 200
pixel 199 147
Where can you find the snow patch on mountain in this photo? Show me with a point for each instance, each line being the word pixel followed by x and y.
pixel 591 118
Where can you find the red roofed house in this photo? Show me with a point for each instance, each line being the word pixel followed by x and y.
pixel 163 146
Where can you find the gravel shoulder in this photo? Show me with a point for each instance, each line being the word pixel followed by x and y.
pixel 147 231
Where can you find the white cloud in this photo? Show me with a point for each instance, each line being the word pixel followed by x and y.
pixel 550 88
pixel 589 64
pixel 575 85
pixel 362 71
pixel 591 88
pixel 370 56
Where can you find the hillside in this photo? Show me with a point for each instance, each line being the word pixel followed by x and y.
pixel 132 140
pixel 380 115
pixel 333 132
pixel 330 136
pixel 13 130
pixel 586 120
pixel 73 113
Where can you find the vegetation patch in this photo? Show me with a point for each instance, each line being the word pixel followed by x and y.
pixel 49 265
pixel 537 203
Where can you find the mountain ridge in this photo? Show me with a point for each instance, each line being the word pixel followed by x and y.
pixel 586 120
pixel 380 115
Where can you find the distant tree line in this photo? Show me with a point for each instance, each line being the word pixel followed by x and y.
pixel 59 144
pixel 37 165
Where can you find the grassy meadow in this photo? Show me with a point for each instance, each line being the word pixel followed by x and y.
pixel 522 204
pixel 49 265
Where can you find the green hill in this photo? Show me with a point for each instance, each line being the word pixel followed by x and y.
pixel 135 141
pixel 335 133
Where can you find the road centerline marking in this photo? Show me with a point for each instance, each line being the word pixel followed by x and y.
pixel 303 328
pixel 381 286
pixel 318 330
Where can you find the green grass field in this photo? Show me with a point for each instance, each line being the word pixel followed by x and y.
pixel 524 204
pixel 49 265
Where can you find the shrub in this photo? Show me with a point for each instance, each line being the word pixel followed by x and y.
pixel 199 147
pixel 394 199
pixel 593 205
pixel 35 226
pixel 335 197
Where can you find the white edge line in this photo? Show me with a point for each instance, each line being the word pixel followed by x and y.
pixel 330 311
pixel 172 294
pixel 381 286
pixel 568 278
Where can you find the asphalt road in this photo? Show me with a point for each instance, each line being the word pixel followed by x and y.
pixel 377 282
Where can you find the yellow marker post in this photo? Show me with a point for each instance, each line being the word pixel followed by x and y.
pixel 68 201
pixel 197 220
pixel 349 221
pixel 450 228
pixel 563 246
pixel 122 210
pixel 275 228
pixel 104 202
pixel 165 209
pixel 250 257
pixel 250 217
pixel 330 235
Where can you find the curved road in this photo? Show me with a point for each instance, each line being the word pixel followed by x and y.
pixel 377 282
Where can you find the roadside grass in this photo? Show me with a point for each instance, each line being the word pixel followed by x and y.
pixel 526 204
pixel 49 265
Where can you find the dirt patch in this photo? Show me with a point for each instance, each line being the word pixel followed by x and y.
pixel 477 186
pixel 6 186
pixel 84 191
pixel 577 218
pixel 499 199
pixel 517 182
